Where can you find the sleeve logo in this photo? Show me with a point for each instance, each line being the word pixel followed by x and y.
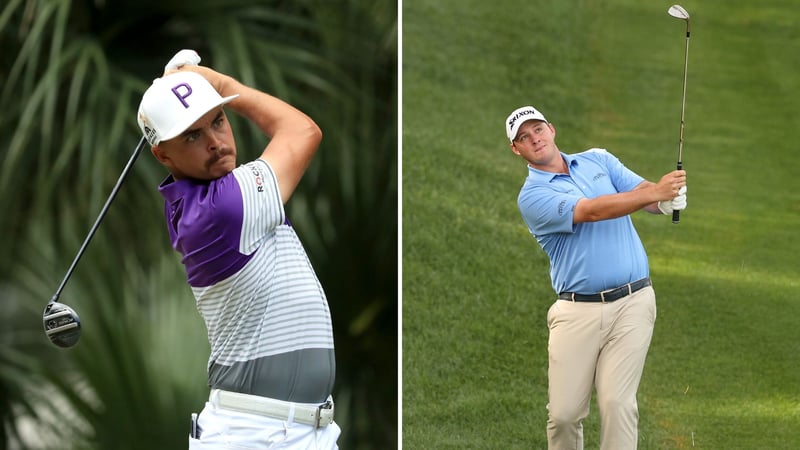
pixel 259 180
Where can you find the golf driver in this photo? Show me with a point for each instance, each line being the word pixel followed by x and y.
pixel 61 323
pixel 678 12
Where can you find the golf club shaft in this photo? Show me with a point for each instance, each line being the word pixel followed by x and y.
pixel 123 175
pixel 676 215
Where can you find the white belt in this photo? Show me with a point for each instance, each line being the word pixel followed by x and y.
pixel 315 415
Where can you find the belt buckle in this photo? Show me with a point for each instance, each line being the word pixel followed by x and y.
pixel 326 405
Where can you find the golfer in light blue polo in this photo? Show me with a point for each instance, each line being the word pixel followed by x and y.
pixel 578 208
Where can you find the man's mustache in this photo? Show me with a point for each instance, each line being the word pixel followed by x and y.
pixel 217 156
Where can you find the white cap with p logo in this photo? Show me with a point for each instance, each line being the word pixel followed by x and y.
pixel 174 102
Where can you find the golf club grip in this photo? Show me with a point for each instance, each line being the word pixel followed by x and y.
pixel 676 214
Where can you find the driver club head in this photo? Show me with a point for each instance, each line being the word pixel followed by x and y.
pixel 61 324
pixel 678 12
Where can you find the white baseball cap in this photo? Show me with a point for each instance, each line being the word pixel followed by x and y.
pixel 520 116
pixel 174 102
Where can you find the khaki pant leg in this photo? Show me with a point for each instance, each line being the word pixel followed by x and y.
pixel 629 324
pixel 573 347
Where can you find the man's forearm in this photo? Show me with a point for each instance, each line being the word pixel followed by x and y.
pixel 612 206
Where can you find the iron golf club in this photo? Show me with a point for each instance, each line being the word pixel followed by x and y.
pixel 61 323
pixel 678 12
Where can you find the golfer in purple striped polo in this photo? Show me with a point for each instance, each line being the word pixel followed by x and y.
pixel 271 368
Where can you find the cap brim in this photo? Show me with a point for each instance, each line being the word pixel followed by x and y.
pixel 516 130
pixel 187 122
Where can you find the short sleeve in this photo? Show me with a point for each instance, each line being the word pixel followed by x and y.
pixel 547 209
pixel 263 208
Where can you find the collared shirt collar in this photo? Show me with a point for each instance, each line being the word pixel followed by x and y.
pixel 537 173
pixel 173 190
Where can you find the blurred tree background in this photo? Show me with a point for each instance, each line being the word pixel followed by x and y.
pixel 71 76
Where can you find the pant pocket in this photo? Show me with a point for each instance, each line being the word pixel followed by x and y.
pixel 551 313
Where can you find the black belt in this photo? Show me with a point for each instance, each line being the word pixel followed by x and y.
pixel 606 296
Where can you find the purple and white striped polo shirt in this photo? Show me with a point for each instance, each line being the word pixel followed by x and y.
pixel 268 321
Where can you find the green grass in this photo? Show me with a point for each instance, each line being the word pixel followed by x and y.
pixel 722 371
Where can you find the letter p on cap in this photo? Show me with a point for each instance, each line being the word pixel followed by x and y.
pixel 185 95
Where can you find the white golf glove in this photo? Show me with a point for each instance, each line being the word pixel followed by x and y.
pixel 182 58
pixel 676 204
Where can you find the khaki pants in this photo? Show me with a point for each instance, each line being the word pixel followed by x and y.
pixel 602 345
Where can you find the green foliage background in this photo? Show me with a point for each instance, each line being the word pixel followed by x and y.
pixel 723 366
pixel 71 76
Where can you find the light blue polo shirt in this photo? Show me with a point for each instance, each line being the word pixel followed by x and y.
pixel 588 257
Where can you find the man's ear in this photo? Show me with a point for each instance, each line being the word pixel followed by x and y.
pixel 159 154
pixel 514 149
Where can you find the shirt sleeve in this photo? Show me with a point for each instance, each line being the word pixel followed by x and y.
pixel 624 179
pixel 263 208
pixel 547 209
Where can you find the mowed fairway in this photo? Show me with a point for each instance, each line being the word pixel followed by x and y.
pixel 723 371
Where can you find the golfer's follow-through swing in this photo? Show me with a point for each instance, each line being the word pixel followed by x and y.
pixel 271 367
pixel 578 206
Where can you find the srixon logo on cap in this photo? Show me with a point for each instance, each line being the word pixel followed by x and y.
pixel 182 96
pixel 520 114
